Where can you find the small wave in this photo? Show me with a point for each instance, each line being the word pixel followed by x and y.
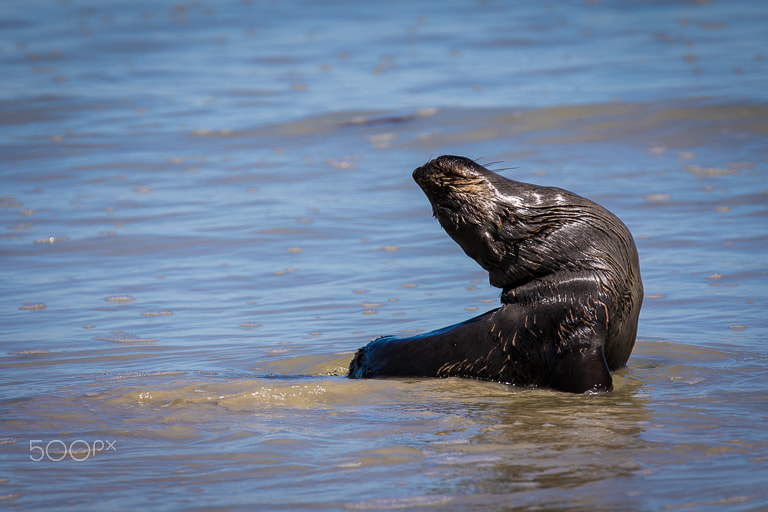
pixel 125 337
pixel 400 503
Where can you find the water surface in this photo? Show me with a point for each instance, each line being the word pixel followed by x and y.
pixel 207 208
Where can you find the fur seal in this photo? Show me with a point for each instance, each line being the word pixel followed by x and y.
pixel 570 280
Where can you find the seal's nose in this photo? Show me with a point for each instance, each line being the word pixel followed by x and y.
pixel 424 174
pixel 428 172
pixel 418 174
pixel 427 176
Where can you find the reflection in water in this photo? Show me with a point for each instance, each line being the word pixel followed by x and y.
pixel 534 441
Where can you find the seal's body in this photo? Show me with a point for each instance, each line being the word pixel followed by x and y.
pixel 570 280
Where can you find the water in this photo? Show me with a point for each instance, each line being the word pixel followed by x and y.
pixel 207 208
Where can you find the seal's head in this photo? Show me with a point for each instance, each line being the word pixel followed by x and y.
pixel 476 208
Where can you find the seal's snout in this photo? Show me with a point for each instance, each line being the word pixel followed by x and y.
pixel 426 176
pixel 431 173
pixel 418 174
pixel 449 173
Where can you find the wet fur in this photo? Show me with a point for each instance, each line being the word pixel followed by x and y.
pixel 570 280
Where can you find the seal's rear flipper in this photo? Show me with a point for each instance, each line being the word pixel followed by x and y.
pixel 584 369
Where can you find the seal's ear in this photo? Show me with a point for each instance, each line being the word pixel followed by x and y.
pixel 582 370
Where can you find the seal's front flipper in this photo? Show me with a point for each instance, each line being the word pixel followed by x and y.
pixel 582 369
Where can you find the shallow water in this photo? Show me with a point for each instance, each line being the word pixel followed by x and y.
pixel 206 208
